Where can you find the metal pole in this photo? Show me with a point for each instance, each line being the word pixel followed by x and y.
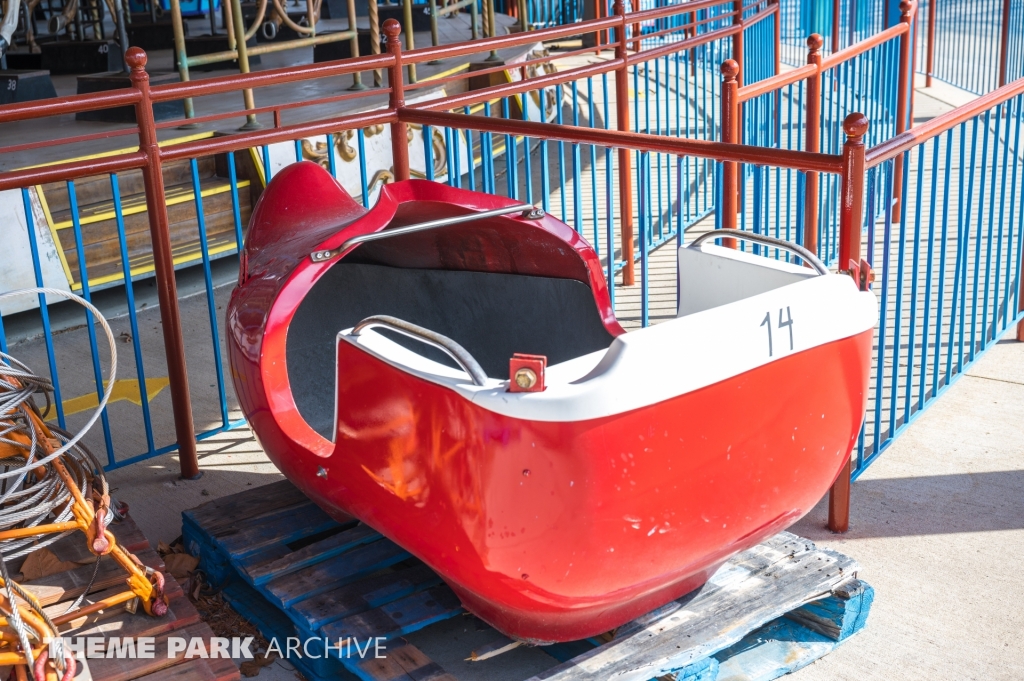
pixel 371 8
pixel 625 162
pixel 1004 43
pixel 730 133
pixel 433 27
pixel 904 90
pixel 399 132
pixel 163 263
pixel 357 78
pixel 122 33
pixel 179 48
pixel 835 25
pixel 850 221
pixel 930 56
pixel 410 43
pixel 737 42
pixel 474 17
pixel 524 19
pixel 492 29
pixel 243 63
pixel 812 126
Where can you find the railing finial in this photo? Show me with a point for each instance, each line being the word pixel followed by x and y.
pixel 906 9
pixel 392 29
pixel 855 126
pixel 730 69
pixel 815 42
pixel 136 58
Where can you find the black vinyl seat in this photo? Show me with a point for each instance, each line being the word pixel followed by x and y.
pixel 492 315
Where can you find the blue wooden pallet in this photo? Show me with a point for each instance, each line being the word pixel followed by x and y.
pixel 296 573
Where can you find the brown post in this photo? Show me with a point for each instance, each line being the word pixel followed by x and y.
pixel 1004 42
pixel 930 55
pixel 777 27
pixel 904 91
pixel 163 262
pixel 625 162
pixel 730 133
pixel 813 141
pixel 850 221
pixel 737 43
pixel 835 26
pixel 399 141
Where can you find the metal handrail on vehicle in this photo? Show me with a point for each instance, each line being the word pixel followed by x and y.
pixel 771 241
pixel 416 332
pixel 529 212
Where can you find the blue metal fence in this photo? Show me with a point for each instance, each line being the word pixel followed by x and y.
pixel 948 266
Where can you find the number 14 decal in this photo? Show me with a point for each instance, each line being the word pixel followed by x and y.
pixel 782 324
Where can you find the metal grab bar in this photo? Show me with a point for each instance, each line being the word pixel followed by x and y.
pixel 529 212
pixel 795 249
pixel 443 343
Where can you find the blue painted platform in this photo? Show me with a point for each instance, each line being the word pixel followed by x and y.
pixel 296 573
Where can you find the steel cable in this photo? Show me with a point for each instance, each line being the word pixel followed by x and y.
pixel 32 492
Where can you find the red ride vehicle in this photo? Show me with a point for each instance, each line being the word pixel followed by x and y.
pixel 372 352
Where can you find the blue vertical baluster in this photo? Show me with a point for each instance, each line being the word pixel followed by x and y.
pixel 211 301
pixel 236 209
pixel 44 310
pixel 332 165
pixel 364 186
pixel 83 273
pixel 133 320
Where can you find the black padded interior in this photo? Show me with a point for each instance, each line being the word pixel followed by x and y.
pixel 492 315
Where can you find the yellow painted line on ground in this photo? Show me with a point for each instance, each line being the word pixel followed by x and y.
pixel 125 389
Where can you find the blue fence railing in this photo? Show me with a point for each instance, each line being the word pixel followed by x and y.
pixel 93 231
pixel 948 266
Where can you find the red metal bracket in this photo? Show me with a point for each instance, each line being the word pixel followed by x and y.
pixel 526 373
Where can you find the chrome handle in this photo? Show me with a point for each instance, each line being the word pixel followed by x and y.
pixel 528 212
pixel 795 249
pixel 443 343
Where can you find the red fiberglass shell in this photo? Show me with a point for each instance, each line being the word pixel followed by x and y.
pixel 548 530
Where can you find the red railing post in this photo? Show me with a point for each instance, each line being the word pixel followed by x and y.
pixel 730 133
pixel 850 221
pixel 812 143
pixel 737 42
pixel 1004 43
pixel 777 28
pixel 399 132
pixel 930 50
pixel 625 163
pixel 163 263
pixel 904 91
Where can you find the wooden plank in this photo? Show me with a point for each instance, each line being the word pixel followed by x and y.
pixel 126 669
pixel 778 648
pixel 218 514
pixel 283 527
pixel 403 616
pixel 180 613
pixel 841 615
pixel 340 570
pixel 404 662
pixel 263 571
pixel 362 595
pixel 69 585
pixel 789 573
pixel 171 588
pixel 273 623
pixel 196 669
